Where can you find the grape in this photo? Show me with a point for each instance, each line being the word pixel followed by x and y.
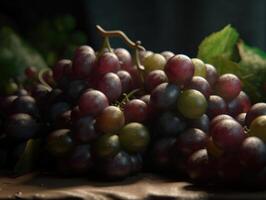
pixel 126 80
pixel 241 118
pixel 31 72
pixel 164 96
pixel 59 142
pixel 179 69
pixel 191 140
pixel 228 86
pixel 135 111
pixel 107 146
pixel 136 163
pixel 144 54
pixel 25 104
pixel 216 106
pixel 83 61
pixel 85 48
pixel 218 118
pixel 60 67
pixel 134 137
pixel 169 124
pixel 211 74
pixel 153 62
pixel 57 109
pixel 80 159
pixel 199 167
pixel 146 98
pixel 228 135
pixel 21 92
pixel 124 57
pixel 92 102
pixel 255 111
pixel 191 104
pixel 40 93
pixel 161 152
pixel 75 89
pixel 200 68
pixel 258 127
pixel 212 149
pixel 201 123
pixel 110 120
pixel 167 55
pixel 84 130
pixel 200 84
pixel 107 62
pixel 21 126
pixel 154 78
pixel 239 104
pixel 117 167
pixel 111 86
pixel 252 153
pixel 244 101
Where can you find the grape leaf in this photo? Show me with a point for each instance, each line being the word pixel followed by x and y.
pixel 222 43
pixel 16 55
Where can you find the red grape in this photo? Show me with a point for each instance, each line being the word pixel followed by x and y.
pixel 255 111
pixel 211 74
pixel 124 57
pixel 92 102
pixel 135 111
pixel 83 61
pixel 154 78
pixel 110 85
pixel 228 135
pixel 252 153
pixel 216 106
pixel 126 80
pixel 165 95
pixel 191 140
pixel 228 86
pixel 179 69
pixel 107 62
pixel 200 84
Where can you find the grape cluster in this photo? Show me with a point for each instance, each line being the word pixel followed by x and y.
pixel 110 114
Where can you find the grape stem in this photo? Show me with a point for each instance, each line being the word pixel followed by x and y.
pixel 134 45
pixel 122 35
pixel 42 81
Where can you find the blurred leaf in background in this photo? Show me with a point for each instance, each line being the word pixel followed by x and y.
pixel 16 55
pixel 229 54
pixel 57 38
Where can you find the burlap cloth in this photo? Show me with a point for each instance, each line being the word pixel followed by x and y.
pixel 144 186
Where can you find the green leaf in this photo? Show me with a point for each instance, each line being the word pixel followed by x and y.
pixel 222 43
pixel 251 57
pixel 16 55
pixel 27 161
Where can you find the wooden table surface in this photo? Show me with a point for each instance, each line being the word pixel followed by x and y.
pixel 144 186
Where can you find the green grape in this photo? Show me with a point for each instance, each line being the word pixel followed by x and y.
pixel 154 62
pixel 258 127
pixel 134 137
pixel 191 104
pixel 200 68
pixel 107 146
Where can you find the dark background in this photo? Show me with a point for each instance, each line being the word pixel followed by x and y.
pixel 178 25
